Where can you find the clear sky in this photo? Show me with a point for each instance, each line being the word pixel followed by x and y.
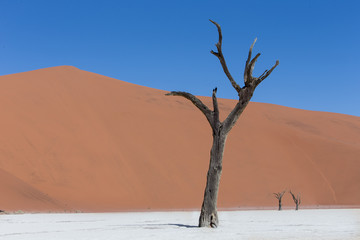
pixel 166 45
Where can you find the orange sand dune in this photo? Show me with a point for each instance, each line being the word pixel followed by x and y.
pixel 15 192
pixel 77 140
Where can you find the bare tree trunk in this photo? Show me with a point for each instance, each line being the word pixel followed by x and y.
pixel 208 216
pixel 280 205
pixel 297 200
pixel 279 196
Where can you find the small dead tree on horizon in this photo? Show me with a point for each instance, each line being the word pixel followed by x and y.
pixel 208 216
pixel 279 196
pixel 297 200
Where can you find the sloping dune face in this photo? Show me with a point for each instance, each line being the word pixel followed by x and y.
pixel 75 140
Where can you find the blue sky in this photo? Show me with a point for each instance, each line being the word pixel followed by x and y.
pixel 166 45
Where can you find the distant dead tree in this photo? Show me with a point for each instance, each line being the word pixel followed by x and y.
pixel 279 196
pixel 297 200
pixel 220 130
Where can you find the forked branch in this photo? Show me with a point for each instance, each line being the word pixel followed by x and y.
pixel 249 65
pixel 279 195
pixel 197 102
pixel 297 200
pixel 266 73
pixel 220 56
pixel 249 79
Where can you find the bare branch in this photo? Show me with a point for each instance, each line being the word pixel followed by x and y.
pixel 220 56
pixel 266 73
pixel 249 80
pixel 250 68
pixel 263 73
pixel 244 98
pixel 215 102
pixel 297 199
pixel 250 53
pixel 234 115
pixel 246 73
pixel 216 121
pixel 282 193
pixel 218 45
pixel 293 196
pixel 279 195
pixel 197 102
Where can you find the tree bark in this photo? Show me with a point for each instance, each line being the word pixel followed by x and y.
pixel 280 205
pixel 208 215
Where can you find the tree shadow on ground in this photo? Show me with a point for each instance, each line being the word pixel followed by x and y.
pixel 156 226
pixel 182 225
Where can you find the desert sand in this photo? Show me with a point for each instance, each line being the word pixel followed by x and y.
pixel 76 140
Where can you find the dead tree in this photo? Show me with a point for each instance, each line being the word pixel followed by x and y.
pixel 220 130
pixel 279 196
pixel 297 200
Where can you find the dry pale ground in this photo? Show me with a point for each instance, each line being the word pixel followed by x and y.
pixel 329 224
pixel 76 140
